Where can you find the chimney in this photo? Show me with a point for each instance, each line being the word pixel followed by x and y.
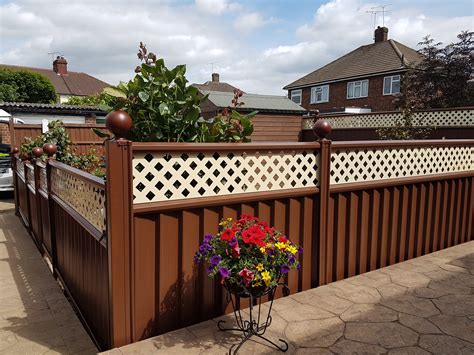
pixel 381 34
pixel 60 65
pixel 215 77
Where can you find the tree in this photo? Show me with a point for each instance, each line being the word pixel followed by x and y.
pixel 441 79
pixel 25 86
pixel 99 100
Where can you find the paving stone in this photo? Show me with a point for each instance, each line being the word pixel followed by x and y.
pixel 352 347
pixel 391 290
pixel 445 344
pixel 366 280
pixel 418 324
pixel 369 313
pixel 467 263
pixel 460 278
pixel 411 350
pixel 315 333
pixel 456 305
pixel 460 327
pixel 330 303
pixel 386 335
pixel 410 279
pixel 311 351
pixel 304 312
pixel 411 305
pixel 359 294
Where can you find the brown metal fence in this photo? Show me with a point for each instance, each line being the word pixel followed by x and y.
pixel 353 206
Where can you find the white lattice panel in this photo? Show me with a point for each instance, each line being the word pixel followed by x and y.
pixel 86 198
pixel 358 165
pixel 169 176
pixel 427 118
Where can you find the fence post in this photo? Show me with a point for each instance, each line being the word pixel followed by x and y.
pixel 50 149
pixel 119 228
pixel 321 129
pixel 37 153
pixel 14 156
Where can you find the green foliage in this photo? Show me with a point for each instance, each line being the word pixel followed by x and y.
pixel 58 135
pixel 25 86
pixel 405 129
pixel 101 100
pixel 164 108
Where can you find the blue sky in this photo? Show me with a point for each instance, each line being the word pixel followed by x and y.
pixel 259 46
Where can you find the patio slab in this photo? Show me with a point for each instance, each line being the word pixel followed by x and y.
pixel 35 316
pixel 420 306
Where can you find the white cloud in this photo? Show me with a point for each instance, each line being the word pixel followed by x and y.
pixel 216 6
pixel 247 23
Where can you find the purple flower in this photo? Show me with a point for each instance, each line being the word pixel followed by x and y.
pixel 285 269
pixel 300 250
pixel 210 269
pixel 298 267
pixel 216 259
pixel 233 242
pixel 224 272
pixel 291 259
pixel 197 258
pixel 207 238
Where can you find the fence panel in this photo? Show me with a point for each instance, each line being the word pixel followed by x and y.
pixel 33 207
pixel 22 192
pixel 78 215
pixel 44 214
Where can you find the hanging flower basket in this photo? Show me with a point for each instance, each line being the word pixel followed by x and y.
pixel 249 257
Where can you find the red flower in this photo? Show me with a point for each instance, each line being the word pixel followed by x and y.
pixel 254 235
pixel 227 234
pixel 283 239
pixel 236 251
pixel 247 275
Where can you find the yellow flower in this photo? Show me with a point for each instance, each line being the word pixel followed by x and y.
pixel 280 245
pixel 259 267
pixel 269 245
pixel 292 249
pixel 266 277
pixel 229 219
pixel 255 284
pixel 262 249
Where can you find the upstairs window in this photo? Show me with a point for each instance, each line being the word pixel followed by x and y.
pixel 296 96
pixel 356 89
pixel 391 85
pixel 320 94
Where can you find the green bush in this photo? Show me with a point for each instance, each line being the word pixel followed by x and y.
pixel 25 86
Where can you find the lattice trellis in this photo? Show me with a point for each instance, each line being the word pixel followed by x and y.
pixel 165 176
pixel 375 120
pixel 43 178
pixel 86 198
pixel 358 165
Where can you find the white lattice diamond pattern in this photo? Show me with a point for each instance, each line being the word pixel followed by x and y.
pixel 176 175
pixel 357 165
pixel 86 198
pixel 427 118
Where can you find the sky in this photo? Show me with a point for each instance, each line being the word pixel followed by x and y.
pixel 258 46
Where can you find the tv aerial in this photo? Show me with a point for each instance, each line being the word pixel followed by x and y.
pixel 375 10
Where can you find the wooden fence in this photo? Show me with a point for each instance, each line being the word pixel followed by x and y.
pixel 81 135
pixel 123 249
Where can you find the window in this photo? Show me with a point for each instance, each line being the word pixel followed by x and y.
pixel 391 85
pixel 357 89
pixel 296 96
pixel 320 94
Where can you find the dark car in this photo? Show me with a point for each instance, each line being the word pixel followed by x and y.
pixel 6 174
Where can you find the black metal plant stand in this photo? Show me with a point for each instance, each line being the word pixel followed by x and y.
pixel 253 326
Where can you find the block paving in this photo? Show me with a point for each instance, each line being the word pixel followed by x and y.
pixel 421 306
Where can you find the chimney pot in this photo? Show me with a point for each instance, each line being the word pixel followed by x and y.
pixel 381 34
pixel 215 77
pixel 60 65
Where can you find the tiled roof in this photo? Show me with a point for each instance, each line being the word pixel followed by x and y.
pixel 262 103
pixel 215 86
pixel 36 107
pixel 72 83
pixel 366 60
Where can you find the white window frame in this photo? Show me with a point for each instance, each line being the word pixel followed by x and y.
pixel 356 84
pixel 296 93
pixel 391 77
pixel 321 88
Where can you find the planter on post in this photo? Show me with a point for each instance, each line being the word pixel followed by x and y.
pixel 119 227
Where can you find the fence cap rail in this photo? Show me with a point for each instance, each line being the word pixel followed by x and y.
pixel 403 143
pixel 77 172
pixel 193 147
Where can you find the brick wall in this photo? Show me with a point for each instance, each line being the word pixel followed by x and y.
pixel 4 133
pixel 338 97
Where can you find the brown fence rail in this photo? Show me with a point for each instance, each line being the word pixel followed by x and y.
pixel 81 135
pixel 124 249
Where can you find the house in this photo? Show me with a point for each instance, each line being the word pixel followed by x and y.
pixel 215 85
pixel 66 83
pixel 363 80
pixel 278 118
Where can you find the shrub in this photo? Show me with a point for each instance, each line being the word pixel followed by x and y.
pixel 25 86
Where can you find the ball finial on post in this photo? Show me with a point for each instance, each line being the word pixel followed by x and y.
pixel 322 128
pixel 50 149
pixel 37 152
pixel 15 151
pixel 119 123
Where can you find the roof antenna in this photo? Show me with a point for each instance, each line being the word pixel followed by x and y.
pixel 212 66
pixel 378 10
pixel 53 54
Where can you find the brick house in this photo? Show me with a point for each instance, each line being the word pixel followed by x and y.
pixel 67 83
pixel 363 80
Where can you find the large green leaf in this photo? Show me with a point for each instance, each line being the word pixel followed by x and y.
pixel 115 92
